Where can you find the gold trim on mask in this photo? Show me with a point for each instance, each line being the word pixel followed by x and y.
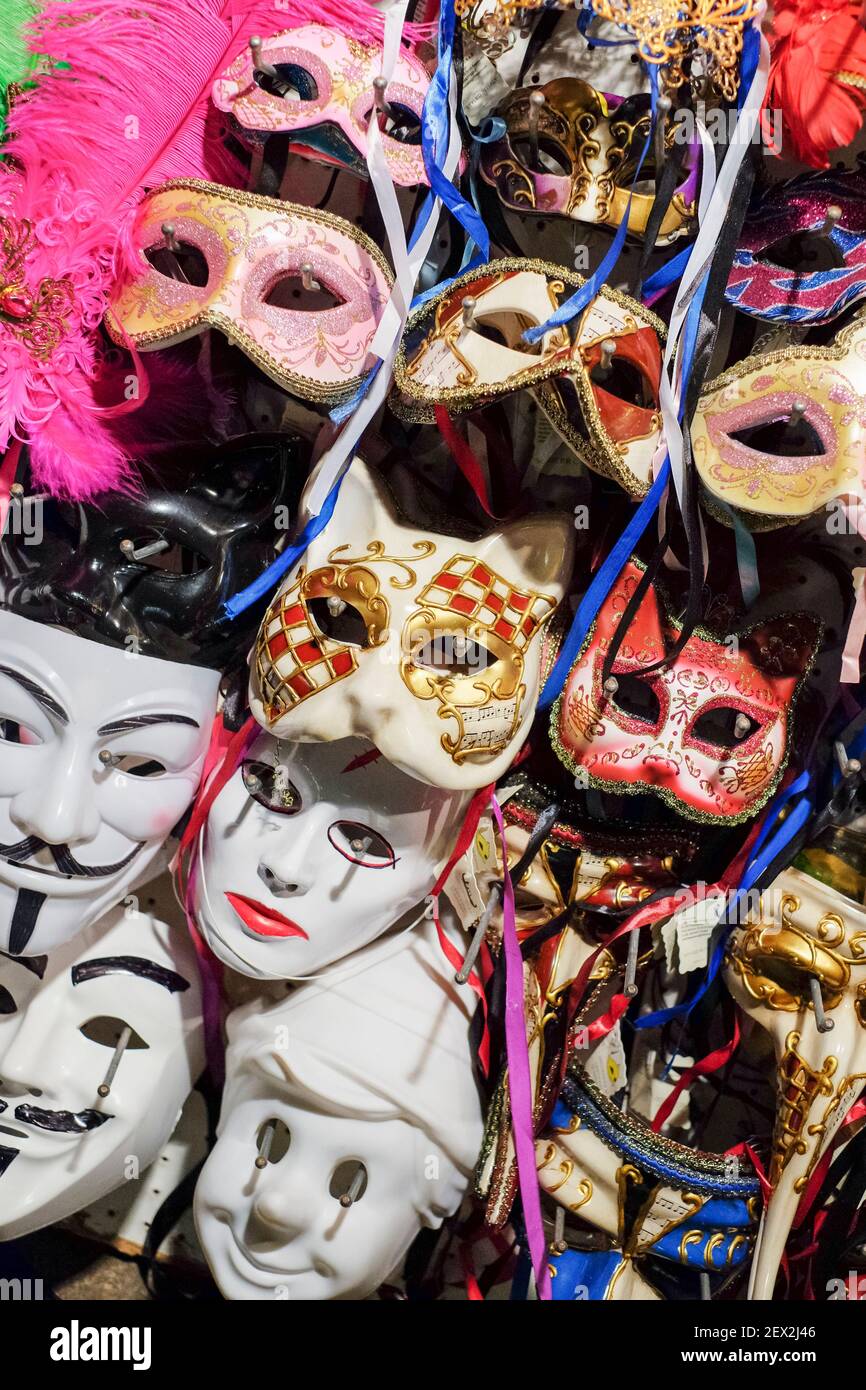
pixel 799 1087
pixel 774 963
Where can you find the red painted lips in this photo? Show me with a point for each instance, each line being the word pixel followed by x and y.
pixel 264 921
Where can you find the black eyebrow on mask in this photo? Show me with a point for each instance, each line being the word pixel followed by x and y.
pixel 129 965
pixel 144 721
pixel 48 702
pixel 36 964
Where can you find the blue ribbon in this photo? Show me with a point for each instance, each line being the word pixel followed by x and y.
pixel 267 581
pixel 668 273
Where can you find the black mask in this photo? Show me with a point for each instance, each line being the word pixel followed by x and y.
pixel 218 509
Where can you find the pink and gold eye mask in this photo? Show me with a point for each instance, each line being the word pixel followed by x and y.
pixel 782 435
pixel 709 734
pixel 322 96
pixel 245 254
pixel 605 405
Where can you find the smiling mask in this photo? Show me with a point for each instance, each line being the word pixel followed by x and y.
pixel 357 1086
pixel 426 644
pixel 311 850
pixel 110 667
pixel 63 1145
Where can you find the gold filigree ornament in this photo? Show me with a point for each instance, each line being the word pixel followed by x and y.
pixel 37 318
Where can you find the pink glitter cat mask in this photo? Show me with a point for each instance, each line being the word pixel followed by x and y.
pixel 822 218
pixel 780 435
pixel 233 261
pixel 322 97
pixel 709 735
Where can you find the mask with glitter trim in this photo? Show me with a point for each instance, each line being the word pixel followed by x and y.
pixel 588 146
pixel 796 213
pixel 781 435
pixel 598 383
pixel 429 646
pixel 708 734
pixel 237 266
pixel 322 97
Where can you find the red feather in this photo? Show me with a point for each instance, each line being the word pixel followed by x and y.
pixel 812 53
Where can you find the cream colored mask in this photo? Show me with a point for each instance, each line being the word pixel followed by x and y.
pixel 429 646
pixel 299 291
pixel 598 381
pixel 805 931
pixel 782 435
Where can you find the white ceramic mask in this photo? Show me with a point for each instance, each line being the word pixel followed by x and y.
pixel 62 1144
pixel 370 1067
pixel 426 644
pixel 76 832
pixel 313 849
pixel 805 930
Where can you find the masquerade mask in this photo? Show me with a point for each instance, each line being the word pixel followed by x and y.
pixel 709 735
pixel 63 1021
pixel 588 145
pixel 807 941
pixel 600 391
pixel 782 435
pixel 366 1123
pixel 654 1198
pixel 102 752
pixel 824 269
pixel 322 96
pixel 149 572
pixel 428 646
pixel 312 850
pixel 237 267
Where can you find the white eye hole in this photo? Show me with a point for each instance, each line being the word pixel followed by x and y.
pixel 361 845
pixel 107 1031
pixel 348 1182
pixel 273 1141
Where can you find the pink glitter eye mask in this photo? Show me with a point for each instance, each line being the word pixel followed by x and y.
pixel 779 436
pixel 212 257
pixel 322 96
pixel 793 263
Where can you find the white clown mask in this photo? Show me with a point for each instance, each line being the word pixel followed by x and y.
pixel 102 752
pixel 429 646
pixel 359 1086
pixel 804 932
pixel 313 849
pixel 64 1140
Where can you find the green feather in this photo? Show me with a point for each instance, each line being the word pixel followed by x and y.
pixel 16 60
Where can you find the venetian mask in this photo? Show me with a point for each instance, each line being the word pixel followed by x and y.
pixel 427 645
pixel 781 434
pixel 313 849
pixel 598 383
pixel 588 144
pixel 824 268
pixel 298 290
pixel 350 1121
pixel 798 970
pixel 100 1044
pixel 112 640
pixel 322 97
pixel 709 734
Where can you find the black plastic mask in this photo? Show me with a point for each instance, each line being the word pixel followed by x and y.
pixel 210 519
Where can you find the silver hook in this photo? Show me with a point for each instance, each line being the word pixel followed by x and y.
pixel 558 1245
pixel 109 759
pixel 469 307
pixel 265 1144
pixel 307 280
pixel 630 987
pixel 824 1024
pixel 380 87
pixel 832 217
pixel 145 551
pixel 536 102
pixel 741 725
pixel 104 1088
pixel 480 932
pixel 610 687
pixel 171 242
pixel 336 606
pixel 607 348
pixel 259 64
pixel 798 410
pixel 663 106
pixel 353 1191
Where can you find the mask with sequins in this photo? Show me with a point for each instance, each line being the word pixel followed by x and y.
pixel 239 264
pixel 708 734
pixel 426 645
pixel 588 144
pixel 781 435
pixel 824 266
pixel 321 94
pixel 598 385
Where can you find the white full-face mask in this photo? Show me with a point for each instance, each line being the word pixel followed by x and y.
pixel 77 831
pixel 357 1086
pixel 62 1143
pixel 313 849
pixel 426 644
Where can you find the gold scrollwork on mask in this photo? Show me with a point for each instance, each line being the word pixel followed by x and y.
pixel 776 961
pixel 799 1087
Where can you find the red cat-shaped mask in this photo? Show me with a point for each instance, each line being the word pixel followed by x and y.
pixel 709 734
